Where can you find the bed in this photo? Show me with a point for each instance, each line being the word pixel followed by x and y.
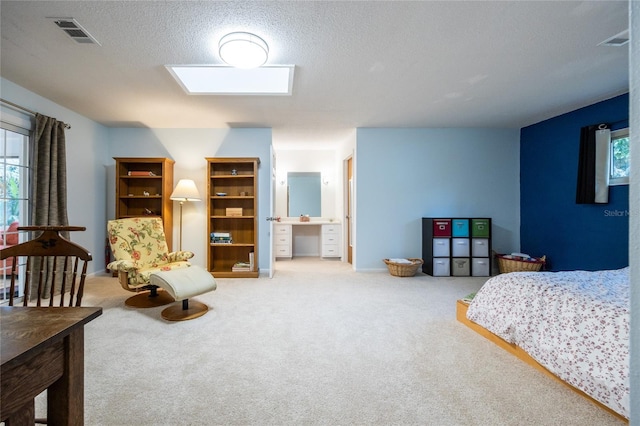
pixel 574 324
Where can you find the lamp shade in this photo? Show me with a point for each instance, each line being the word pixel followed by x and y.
pixel 185 191
pixel 243 50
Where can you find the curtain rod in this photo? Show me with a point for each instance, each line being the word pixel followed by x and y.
pixel 66 126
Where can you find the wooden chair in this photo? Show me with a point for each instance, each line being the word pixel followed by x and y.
pixel 49 257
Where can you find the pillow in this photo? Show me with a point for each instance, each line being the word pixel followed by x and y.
pixel 11 234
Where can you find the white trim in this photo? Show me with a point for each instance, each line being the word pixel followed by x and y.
pixel 19 121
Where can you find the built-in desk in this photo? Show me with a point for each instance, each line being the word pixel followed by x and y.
pixel 311 239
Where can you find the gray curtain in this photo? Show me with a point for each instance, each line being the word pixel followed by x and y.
pixel 48 180
pixel 593 165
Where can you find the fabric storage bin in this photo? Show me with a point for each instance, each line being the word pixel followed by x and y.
pixel 442 228
pixel 441 267
pixel 460 228
pixel 480 228
pixel 441 247
pixel 460 247
pixel 460 267
pixel 480 267
pixel 480 247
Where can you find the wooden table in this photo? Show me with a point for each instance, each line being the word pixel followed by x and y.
pixel 43 348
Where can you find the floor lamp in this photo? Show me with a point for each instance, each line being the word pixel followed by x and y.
pixel 185 191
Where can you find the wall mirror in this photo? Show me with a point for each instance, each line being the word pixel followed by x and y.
pixel 304 195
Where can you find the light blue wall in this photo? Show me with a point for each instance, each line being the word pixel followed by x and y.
pixel 403 175
pixel 91 180
pixel 86 146
pixel 189 148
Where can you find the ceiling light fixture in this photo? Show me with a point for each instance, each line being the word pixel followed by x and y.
pixel 243 50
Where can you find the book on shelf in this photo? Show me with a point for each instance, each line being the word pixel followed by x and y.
pixel 251 261
pixel 241 267
pixel 140 173
pixel 221 238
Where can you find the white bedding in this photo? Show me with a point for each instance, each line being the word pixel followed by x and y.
pixel 576 324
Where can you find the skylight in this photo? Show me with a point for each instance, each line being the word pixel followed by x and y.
pixel 223 80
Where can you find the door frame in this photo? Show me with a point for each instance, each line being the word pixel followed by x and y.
pixel 349 206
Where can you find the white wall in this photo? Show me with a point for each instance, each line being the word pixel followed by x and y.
pixel 634 207
pixel 405 174
pixel 189 148
pixel 86 146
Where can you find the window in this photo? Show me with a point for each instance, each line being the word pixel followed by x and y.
pixel 619 157
pixel 14 193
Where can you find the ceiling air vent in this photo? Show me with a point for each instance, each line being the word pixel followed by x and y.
pixel 74 30
pixel 617 40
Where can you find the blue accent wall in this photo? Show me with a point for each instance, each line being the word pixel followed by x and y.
pixel 572 236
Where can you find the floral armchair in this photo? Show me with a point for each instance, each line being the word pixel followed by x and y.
pixel 140 249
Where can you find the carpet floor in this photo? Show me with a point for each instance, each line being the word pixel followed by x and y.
pixel 318 344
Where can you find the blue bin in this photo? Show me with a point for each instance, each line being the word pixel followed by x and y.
pixel 460 228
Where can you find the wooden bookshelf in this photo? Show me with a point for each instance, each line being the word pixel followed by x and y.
pixel 143 188
pixel 232 184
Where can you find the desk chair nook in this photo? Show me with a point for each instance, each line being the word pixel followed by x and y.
pixel 48 260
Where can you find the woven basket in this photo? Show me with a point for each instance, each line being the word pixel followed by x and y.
pixel 519 265
pixel 403 269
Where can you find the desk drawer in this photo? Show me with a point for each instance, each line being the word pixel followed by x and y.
pixel 330 239
pixel 282 229
pixel 330 250
pixel 331 229
pixel 283 239
pixel 283 250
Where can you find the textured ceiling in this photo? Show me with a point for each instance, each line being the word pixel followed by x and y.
pixel 358 64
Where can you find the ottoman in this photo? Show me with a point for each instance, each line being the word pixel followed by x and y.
pixel 182 284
